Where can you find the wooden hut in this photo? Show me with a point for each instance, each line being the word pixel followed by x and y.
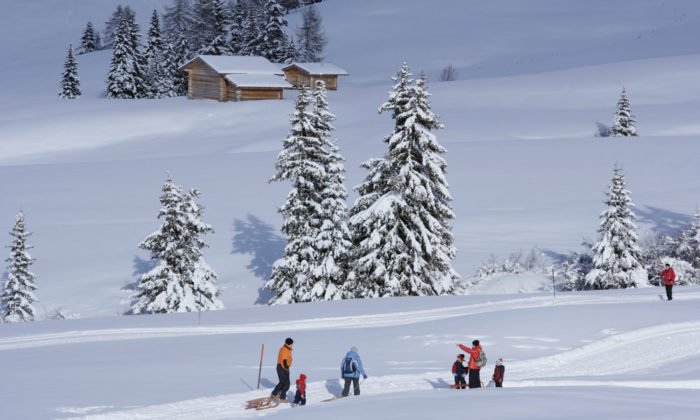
pixel 233 78
pixel 299 74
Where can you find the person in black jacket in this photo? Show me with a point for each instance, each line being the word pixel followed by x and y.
pixel 460 370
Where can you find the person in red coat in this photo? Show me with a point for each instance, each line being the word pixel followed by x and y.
pixel 459 371
pixel 300 396
pixel 498 373
pixel 474 352
pixel 669 278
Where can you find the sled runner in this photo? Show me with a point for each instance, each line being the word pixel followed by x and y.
pixel 263 403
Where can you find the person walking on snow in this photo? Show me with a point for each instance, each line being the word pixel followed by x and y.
pixel 300 396
pixel 474 368
pixel 669 278
pixel 460 370
pixel 284 362
pixel 351 369
pixel 498 373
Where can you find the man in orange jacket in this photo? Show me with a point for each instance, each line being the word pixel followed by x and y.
pixel 284 362
pixel 669 278
pixel 474 377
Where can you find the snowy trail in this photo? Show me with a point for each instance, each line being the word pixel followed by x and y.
pixel 346 322
pixel 618 354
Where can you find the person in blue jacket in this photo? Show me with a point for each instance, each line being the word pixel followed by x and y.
pixel 351 369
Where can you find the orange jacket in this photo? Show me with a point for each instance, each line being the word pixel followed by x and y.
pixel 474 353
pixel 284 358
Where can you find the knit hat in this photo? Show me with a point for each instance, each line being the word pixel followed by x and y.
pixel 460 356
pixel 302 377
pixel 288 341
pixel 353 349
pixel 499 362
pixel 475 342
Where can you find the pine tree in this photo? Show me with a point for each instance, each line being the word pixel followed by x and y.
pixel 616 255
pixel 252 34
pixel 311 39
pixel 400 224
pixel 88 42
pixel 221 22
pixel 126 75
pixel 18 295
pixel 110 32
pixel 181 281
pixel 688 248
pixel 203 16
pixel 237 35
pixel 159 65
pixel 178 24
pixel 624 123
pixel 98 41
pixel 274 42
pixel 70 83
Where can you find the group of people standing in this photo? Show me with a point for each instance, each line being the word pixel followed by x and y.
pixel 462 369
pixel 351 370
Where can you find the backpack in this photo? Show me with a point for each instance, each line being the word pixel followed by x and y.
pixel 349 366
pixel 481 360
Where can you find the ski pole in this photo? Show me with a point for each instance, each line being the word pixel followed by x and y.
pixel 262 350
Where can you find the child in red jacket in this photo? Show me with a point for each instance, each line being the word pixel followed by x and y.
pixel 460 371
pixel 300 396
pixel 498 373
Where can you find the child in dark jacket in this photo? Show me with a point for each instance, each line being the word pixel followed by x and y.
pixel 300 396
pixel 498 373
pixel 460 370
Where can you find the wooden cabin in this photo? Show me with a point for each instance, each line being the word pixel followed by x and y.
pixel 307 74
pixel 233 78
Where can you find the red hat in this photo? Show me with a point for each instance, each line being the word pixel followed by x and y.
pixel 302 377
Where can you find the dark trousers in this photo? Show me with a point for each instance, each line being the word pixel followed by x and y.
pixel 298 399
pixel 355 384
pixel 474 378
pixel 460 382
pixel 283 385
pixel 669 291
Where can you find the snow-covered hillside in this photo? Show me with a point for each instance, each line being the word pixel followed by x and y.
pixel 524 169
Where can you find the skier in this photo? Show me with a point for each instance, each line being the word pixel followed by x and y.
pixel 284 362
pixel 350 370
pixel 460 370
pixel 669 278
pixel 498 372
pixel 300 396
pixel 476 354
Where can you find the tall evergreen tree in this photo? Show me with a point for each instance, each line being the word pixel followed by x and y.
pixel 126 75
pixel 311 39
pixel 158 60
pixel 616 256
pixel 688 248
pixel 203 16
pixel 178 26
pixel 110 31
pixel 221 23
pixel 70 83
pixel 237 28
pixel 252 33
pixel 274 42
pixel 18 296
pixel 400 224
pixel 181 281
pixel 624 123
pixel 88 42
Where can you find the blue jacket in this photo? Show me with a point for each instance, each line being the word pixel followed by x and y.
pixel 360 370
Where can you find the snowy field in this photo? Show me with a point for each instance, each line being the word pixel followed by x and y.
pixel 524 169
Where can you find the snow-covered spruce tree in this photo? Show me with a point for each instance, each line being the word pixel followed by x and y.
pixel 311 40
pixel 401 232
pixel 236 34
pixel 18 297
pixel 571 272
pixel 88 42
pixel 274 42
pixel 110 31
pixel 70 83
pixel 203 16
pixel 221 23
pixel 624 122
pixel 178 24
pixel 159 65
pixel 251 42
pixel 126 76
pixel 616 256
pixel 688 248
pixel 333 239
pixel 181 281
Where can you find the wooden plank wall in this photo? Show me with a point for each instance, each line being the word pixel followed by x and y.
pixel 204 82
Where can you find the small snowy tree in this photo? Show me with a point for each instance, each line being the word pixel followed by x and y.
pixel 18 295
pixel 88 42
pixel 624 122
pixel 70 83
pixel 571 272
pixel 400 224
pixel 181 281
pixel 688 248
pixel 311 40
pixel 617 257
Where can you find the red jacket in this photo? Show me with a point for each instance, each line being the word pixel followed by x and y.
pixel 669 276
pixel 474 353
pixel 301 385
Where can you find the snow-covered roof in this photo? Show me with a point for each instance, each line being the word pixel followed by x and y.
pixel 228 64
pixel 319 69
pixel 258 80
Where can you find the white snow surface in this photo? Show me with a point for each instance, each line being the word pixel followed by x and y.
pixel 524 170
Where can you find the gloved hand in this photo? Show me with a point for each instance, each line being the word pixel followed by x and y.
pixel 365 376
